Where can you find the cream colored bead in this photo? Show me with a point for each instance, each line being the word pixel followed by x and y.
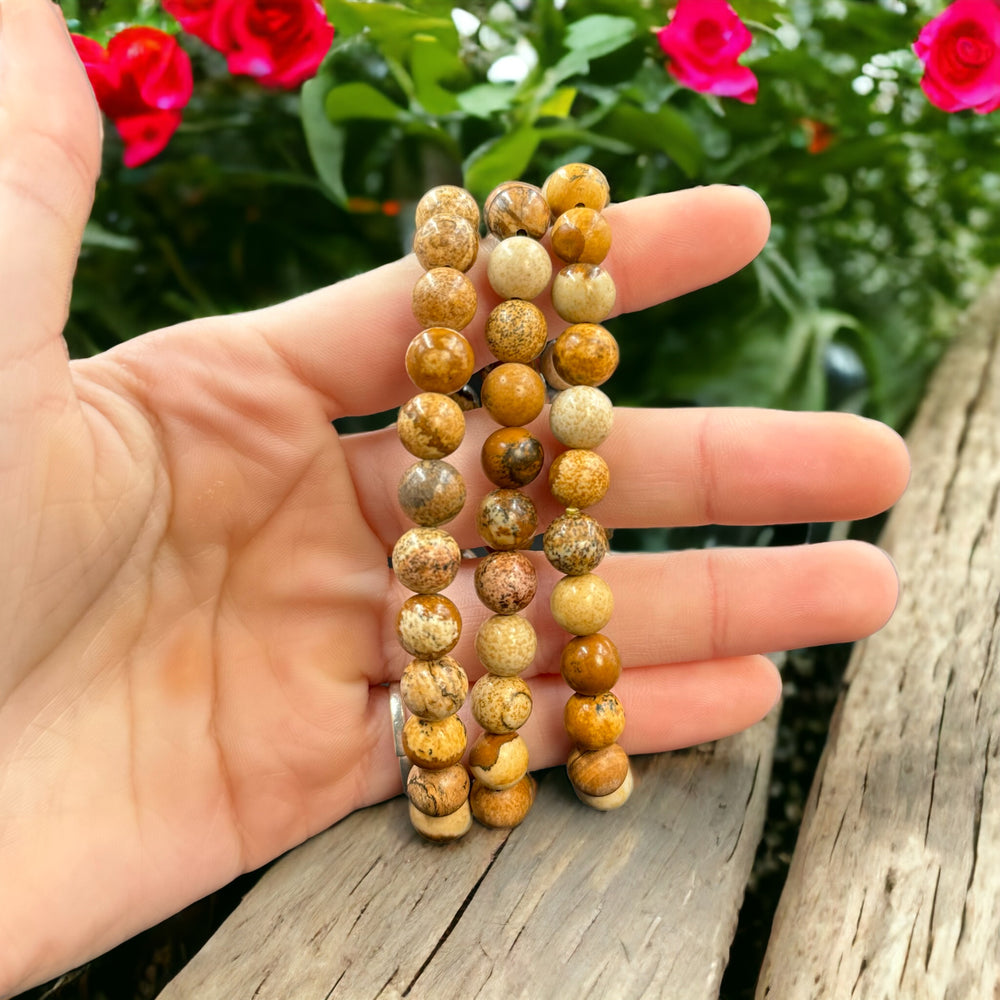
pixel 581 416
pixel 583 293
pixel 434 689
pixel 617 798
pixel 501 704
pixel 499 760
pixel 506 644
pixel 519 268
pixel 441 829
pixel 582 604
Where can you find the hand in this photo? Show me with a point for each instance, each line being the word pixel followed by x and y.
pixel 196 610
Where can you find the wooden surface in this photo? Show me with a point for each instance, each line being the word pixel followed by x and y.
pixel 894 889
pixel 641 902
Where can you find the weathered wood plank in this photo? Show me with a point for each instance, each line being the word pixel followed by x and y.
pixel 894 889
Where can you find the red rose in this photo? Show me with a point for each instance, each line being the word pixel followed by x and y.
pixel 703 40
pixel 960 50
pixel 141 81
pixel 194 16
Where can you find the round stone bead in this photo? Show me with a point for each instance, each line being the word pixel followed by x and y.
pixel 506 582
pixel 519 268
pixel 501 704
pixel 434 689
pixel 446 241
pixel 431 492
pixel 499 760
pixel 581 236
pixel 597 772
pixel 594 720
pixel 448 199
pixel 506 519
pixel 442 829
pixel 581 416
pixel 440 360
pixel 502 809
pixel 431 425
pixel 579 478
pixel 512 457
pixel 583 293
pixel 426 560
pixel 516 331
pixel 438 793
pixel 428 626
pixel 590 664
pixel 585 354
pixel 548 369
pixel 434 745
pixel 443 296
pixel 582 604
pixel 613 801
pixel 506 644
pixel 516 208
pixel 576 184
pixel 575 543
pixel 514 394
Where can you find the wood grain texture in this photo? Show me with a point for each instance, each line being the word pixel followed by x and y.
pixel 641 902
pixel 894 888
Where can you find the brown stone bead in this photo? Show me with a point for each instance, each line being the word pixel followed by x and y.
pixel 590 664
pixel 440 360
pixel 516 331
pixel 431 425
pixel 617 798
pixel 506 582
pixel 506 644
pixel 520 268
pixel 443 296
pixel 434 689
pixel 434 745
pixel 598 772
pixel 575 543
pixel 431 492
pixel 438 793
pixel 514 394
pixel 579 478
pixel 428 626
pixel 585 354
pixel 548 369
pixel 581 236
pixel 594 720
pixel 583 293
pixel 499 760
pixel 442 829
pixel 576 184
pixel 506 519
pixel 512 457
pixel 502 809
pixel 582 604
pixel 426 560
pixel 446 241
pixel 581 416
pixel 516 208
pixel 448 199
pixel 501 704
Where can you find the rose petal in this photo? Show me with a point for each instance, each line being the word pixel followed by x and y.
pixel 146 135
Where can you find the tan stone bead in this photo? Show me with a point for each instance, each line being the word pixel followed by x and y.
pixel 618 798
pixel 426 560
pixel 581 416
pixel 442 829
pixel 579 478
pixel 513 394
pixel 506 519
pixel 499 760
pixel 594 720
pixel 431 425
pixel 431 492
pixel 446 241
pixel 501 704
pixel 440 360
pixel 590 664
pixel 506 582
pixel 448 199
pixel 516 331
pixel 548 371
pixel 506 644
pixel 516 208
pixel 576 184
pixel 583 293
pixel 597 772
pixel 438 793
pixel 519 268
pixel 428 626
pixel 434 744
pixel 502 809
pixel 582 604
pixel 581 236
pixel 585 354
pixel 512 457
pixel 575 543
pixel 434 689
pixel 444 296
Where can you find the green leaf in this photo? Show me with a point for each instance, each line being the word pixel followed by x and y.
pixel 431 65
pixel 665 130
pixel 588 38
pixel 391 27
pixel 487 99
pixel 95 235
pixel 559 104
pixel 324 139
pixel 351 101
pixel 499 160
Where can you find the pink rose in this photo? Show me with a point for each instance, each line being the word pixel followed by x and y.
pixel 703 40
pixel 960 50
